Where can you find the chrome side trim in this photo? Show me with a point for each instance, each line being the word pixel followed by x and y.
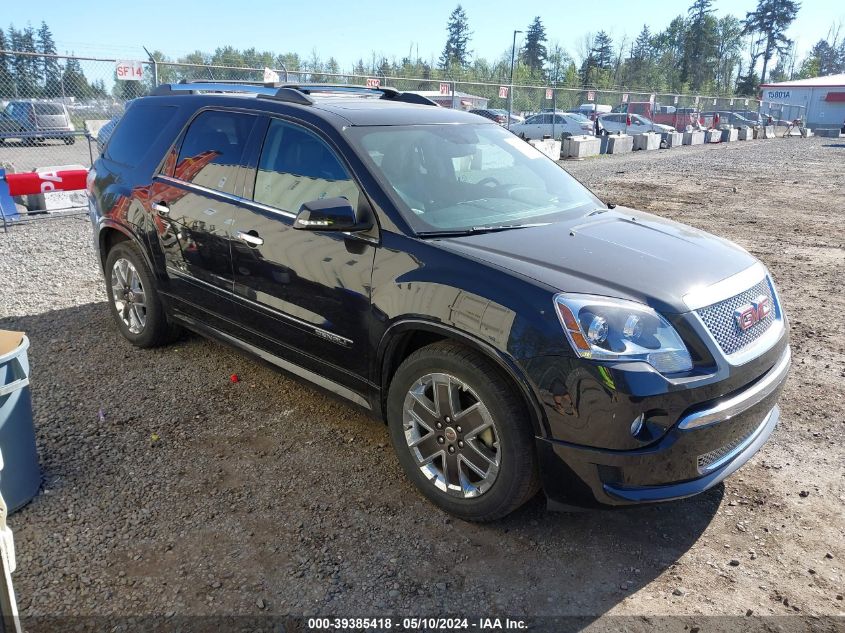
pixel 226 196
pixel 729 287
pixel 317 331
pixel 293 368
pixel 735 405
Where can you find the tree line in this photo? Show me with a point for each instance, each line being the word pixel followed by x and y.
pixel 696 53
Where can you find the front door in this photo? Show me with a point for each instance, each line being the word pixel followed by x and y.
pixel 308 291
pixel 192 202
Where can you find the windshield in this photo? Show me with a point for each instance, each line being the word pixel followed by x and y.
pixel 459 177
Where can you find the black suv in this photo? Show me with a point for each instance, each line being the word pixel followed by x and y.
pixel 511 329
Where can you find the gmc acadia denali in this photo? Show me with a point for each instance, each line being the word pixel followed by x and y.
pixel 514 331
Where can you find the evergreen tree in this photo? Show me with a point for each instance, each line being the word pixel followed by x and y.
pixel 769 23
pixel 76 85
pixel 50 69
pixel 534 52
pixel 603 51
pixel 699 45
pixel 456 51
pixel 6 79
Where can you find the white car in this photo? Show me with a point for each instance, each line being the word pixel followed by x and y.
pixel 617 122
pixel 554 124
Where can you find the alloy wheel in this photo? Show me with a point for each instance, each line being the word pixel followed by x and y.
pixel 452 436
pixel 128 295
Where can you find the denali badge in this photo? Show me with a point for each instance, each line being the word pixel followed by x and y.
pixel 754 312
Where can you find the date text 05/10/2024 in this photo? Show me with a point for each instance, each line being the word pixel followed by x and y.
pixel 416 624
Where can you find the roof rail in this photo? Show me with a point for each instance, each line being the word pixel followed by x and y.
pixel 291 93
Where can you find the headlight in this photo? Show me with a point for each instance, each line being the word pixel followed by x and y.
pixel 614 329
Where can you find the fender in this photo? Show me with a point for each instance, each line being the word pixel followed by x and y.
pixel 106 223
pixel 389 340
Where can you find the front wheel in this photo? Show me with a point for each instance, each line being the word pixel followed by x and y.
pixel 461 432
pixel 133 299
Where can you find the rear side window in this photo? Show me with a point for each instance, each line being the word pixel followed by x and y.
pixel 48 109
pixel 212 150
pixel 137 131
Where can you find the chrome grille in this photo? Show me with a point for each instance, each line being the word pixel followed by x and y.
pixel 721 323
pixel 707 460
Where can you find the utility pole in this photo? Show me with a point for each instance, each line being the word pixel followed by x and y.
pixel 510 90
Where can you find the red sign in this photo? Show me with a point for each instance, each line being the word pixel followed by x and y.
pixel 549 94
pixel 46 181
pixel 503 92
pixel 373 82
pixel 445 89
pixel 591 95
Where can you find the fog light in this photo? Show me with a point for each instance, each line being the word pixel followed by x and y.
pixel 637 424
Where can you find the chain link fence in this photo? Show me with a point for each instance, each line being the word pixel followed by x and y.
pixel 53 108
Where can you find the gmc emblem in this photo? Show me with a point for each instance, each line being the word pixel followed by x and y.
pixel 753 312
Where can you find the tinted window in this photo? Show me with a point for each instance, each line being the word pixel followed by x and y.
pixel 137 132
pixel 559 119
pixel 212 149
pixel 297 167
pixel 533 120
pixel 49 108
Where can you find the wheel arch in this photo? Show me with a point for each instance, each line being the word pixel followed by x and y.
pixel 405 337
pixel 111 234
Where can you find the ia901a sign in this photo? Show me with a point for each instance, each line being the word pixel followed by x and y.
pixel 129 71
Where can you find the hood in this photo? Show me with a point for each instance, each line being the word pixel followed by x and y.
pixel 620 253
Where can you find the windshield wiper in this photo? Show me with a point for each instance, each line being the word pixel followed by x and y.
pixel 475 230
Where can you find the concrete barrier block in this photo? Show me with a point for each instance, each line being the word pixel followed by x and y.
pixel 827 132
pixel 672 139
pixel 730 135
pixel 58 199
pixel 694 137
pixel 580 147
pixel 619 144
pixel 646 141
pixel 713 136
pixel 745 133
pixel 767 131
pixel 548 146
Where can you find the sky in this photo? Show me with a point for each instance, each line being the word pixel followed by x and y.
pixel 352 30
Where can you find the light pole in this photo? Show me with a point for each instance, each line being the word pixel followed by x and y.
pixel 510 90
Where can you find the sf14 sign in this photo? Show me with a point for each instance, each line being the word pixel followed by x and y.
pixel 129 71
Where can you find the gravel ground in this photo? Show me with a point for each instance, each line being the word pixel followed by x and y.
pixel 168 489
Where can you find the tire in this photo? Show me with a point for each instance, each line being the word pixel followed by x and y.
pixel 133 300
pixel 505 446
pixel 70 140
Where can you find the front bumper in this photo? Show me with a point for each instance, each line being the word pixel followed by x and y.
pixel 706 445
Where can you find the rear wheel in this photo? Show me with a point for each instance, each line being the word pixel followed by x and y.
pixel 133 300
pixel 461 432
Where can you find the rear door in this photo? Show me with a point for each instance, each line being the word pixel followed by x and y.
pixel 306 292
pixel 193 203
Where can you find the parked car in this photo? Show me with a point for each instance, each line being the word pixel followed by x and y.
pixel 547 124
pixel 511 329
pixel 677 118
pixel 36 121
pixel 728 118
pixel 632 124
pixel 499 116
pixel 592 110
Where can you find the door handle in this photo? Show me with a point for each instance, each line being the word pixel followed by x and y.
pixel 251 238
pixel 162 209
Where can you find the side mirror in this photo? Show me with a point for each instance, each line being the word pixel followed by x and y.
pixel 329 214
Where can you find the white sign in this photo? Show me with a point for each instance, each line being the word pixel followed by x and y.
pixel 549 94
pixel 129 71
pixel 503 92
pixel 732 102
pixel 676 100
pixel 373 82
pixel 696 99
pixel 591 96
pixel 773 95
pixel 651 99
pixel 270 76
pixel 625 98
pixel 746 102
pixel 714 101
pixel 444 89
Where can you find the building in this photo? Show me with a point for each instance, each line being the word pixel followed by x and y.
pixel 822 98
